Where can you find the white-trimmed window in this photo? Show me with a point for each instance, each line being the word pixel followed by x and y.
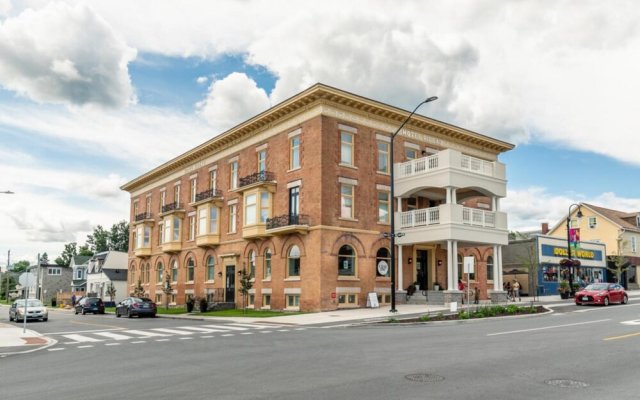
pixel 250 204
pixel 346 148
pixel 191 270
pixel 257 208
pixel 160 233
pixel 294 152
pixel 132 275
pixel 490 268
pixel 346 261
pixel 79 273
pixel 234 175
pixel 193 190
pixel 346 201
pixel 383 157
pixel 158 298
pixel 159 272
pixel 174 271
pixel 135 208
pixel 593 222
pixel 252 299
pixel 233 211
pixel 266 300
pixel 267 264
pixel 213 179
pixel 213 220
pixel 211 268
pixel 383 207
pixel 176 229
pixel 252 264
pixel 262 160
pixel 192 227
pixel 163 199
pixel 634 244
pixel 293 262
pixel 148 207
pixel 293 300
pixel 410 154
pixel 54 271
pixel 176 195
pixel 348 300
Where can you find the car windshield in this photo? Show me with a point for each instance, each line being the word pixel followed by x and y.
pixel 31 303
pixel 597 286
pixel 140 300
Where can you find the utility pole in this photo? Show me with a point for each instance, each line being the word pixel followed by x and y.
pixel 6 294
pixel 38 279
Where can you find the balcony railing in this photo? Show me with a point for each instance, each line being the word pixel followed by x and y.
pixel 208 194
pixel 287 220
pixel 420 217
pixel 263 176
pixel 473 216
pixel 143 216
pixel 476 165
pixel 441 160
pixel 171 207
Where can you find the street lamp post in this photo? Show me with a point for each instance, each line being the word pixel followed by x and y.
pixel 392 235
pixel 579 215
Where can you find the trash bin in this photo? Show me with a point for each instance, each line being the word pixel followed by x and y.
pixel 53 302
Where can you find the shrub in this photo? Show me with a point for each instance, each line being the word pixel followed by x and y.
pixel 464 315
pixel 425 318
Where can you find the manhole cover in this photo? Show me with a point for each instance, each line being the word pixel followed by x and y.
pixel 567 383
pixel 428 378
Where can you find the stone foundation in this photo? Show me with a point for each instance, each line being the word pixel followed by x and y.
pixel 452 296
pixel 498 296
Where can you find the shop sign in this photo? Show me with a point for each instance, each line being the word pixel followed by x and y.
pixel 555 251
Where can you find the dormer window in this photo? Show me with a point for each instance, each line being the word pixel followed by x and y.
pixel 638 220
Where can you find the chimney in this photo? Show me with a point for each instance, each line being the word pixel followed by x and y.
pixel 545 228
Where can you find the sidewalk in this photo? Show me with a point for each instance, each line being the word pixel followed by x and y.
pixel 13 339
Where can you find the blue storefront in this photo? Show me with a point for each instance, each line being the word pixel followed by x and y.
pixel 551 251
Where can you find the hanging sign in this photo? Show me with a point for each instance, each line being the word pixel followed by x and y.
pixel 383 267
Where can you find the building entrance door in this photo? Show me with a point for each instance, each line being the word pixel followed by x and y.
pixel 422 269
pixel 230 285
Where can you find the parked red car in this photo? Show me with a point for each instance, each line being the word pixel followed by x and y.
pixel 602 293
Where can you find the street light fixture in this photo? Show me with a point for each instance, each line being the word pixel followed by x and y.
pixel 7 192
pixel 392 235
pixel 570 263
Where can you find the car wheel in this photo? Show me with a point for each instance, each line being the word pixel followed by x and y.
pixel 117 314
pixel 129 315
pixel 605 302
pixel 153 315
pixel 76 312
pixel 10 318
pixel 625 299
pixel 45 319
pixel 84 312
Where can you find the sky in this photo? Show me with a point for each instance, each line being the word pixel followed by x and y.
pixel 95 93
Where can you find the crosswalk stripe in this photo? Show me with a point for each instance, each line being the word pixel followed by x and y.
pixel 173 331
pixel 82 338
pixel 203 330
pixel 256 326
pixel 226 327
pixel 144 333
pixel 114 336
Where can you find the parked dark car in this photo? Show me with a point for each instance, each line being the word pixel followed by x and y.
pixel 90 305
pixel 139 306
pixel 602 293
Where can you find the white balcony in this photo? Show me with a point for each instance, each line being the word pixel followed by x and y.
pixel 452 222
pixel 450 168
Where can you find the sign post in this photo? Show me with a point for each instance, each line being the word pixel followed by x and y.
pixel 469 268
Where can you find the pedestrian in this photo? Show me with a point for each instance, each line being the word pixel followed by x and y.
pixel 516 290
pixel 476 296
pixel 461 288
pixel 509 292
pixel 73 299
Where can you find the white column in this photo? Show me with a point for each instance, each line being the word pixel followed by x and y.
pixel 496 277
pixel 450 284
pixel 494 204
pixel 497 204
pixel 448 195
pixel 454 198
pixel 454 258
pixel 399 280
pixel 500 265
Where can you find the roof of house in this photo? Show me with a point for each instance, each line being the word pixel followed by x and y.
pixel 316 95
pixel 623 219
pixel 81 260
pixel 116 274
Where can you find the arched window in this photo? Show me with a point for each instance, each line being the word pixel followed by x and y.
pixel 211 268
pixel 383 262
pixel 252 264
pixel 174 271
pixel 267 264
pixel 490 268
pixel 148 273
pixel 191 270
pixel 293 262
pixel 132 274
pixel 159 272
pixel 346 261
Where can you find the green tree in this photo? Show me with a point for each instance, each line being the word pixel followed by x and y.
pixel 138 291
pixel 98 241
pixel 20 266
pixel 245 286
pixel 618 261
pixel 84 250
pixel 12 278
pixel 44 259
pixel 111 291
pixel 70 251
pixel 119 236
pixel 167 289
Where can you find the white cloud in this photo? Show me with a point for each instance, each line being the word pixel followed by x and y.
pixel 65 54
pixel 232 100
pixel 5 7
pixel 201 80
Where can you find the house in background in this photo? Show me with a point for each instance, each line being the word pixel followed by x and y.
pixel 618 230
pixel 104 269
pixel 79 265
pixel 54 279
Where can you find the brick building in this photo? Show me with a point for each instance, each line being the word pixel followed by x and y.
pixel 298 197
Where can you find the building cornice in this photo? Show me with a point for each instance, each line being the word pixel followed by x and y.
pixel 318 94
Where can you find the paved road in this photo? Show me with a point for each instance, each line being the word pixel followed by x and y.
pixel 593 350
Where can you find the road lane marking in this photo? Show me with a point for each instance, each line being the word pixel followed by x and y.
pixel 247 333
pixel 85 346
pixel 226 327
pixel 81 338
pixel 88 331
pixel 632 322
pixel 202 330
pixel 112 344
pixel 206 337
pixel 254 326
pixel 144 333
pixel 94 324
pixel 283 330
pixel 622 336
pixel 139 341
pixel 173 331
pixel 114 336
pixel 547 327
pixel 56 349
pixel 185 338
pixel 227 334
pixel 162 340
